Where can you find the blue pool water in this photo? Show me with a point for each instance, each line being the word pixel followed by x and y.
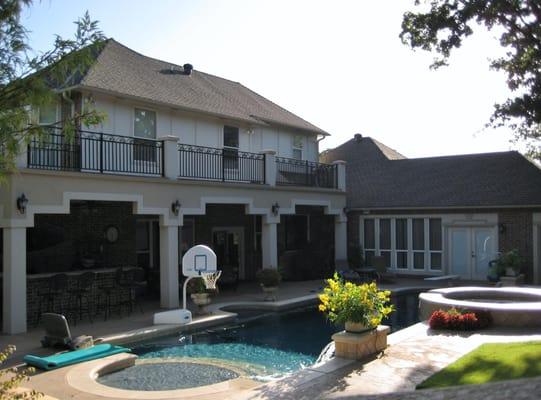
pixel 263 348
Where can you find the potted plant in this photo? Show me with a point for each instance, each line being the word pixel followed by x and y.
pixel 510 263
pixel 269 279
pixel 358 307
pixel 199 294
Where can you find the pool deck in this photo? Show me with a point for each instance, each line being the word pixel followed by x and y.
pixel 414 354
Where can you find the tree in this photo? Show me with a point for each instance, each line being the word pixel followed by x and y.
pixel 444 25
pixel 29 81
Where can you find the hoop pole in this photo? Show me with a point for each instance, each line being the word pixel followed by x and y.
pixel 184 287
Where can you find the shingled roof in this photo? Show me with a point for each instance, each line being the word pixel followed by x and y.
pixel 378 179
pixel 122 71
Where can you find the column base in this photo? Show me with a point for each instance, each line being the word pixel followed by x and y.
pixel 357 346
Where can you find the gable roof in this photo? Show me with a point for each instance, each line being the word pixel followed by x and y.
pixel 120 70
pixel 377 180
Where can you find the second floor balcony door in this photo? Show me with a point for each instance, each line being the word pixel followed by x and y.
pixel 231 151
pixel 144 127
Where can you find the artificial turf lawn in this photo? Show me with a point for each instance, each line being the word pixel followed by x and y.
pixel 490 363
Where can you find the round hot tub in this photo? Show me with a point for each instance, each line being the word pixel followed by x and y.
pixel 509 307
pixel 151 376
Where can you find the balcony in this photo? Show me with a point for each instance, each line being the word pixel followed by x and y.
pixel 103 153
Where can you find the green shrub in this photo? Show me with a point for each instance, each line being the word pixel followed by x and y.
pixel 269 277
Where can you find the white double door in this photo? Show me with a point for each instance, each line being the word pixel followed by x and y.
pixel 470 251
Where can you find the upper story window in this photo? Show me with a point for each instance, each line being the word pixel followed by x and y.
pixel 47 114
pixel 231 147
pixel 144 127
pixel 298 146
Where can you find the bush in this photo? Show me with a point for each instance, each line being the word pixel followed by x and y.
pixel 10 383
pixel 269 277
pixel 458 320
pixel 345 301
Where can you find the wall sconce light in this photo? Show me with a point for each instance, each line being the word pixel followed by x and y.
pixel 22 202
pixel 275 209
pixel 175 207
pixel 502 228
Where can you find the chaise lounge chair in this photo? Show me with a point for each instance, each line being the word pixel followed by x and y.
pixel 57 333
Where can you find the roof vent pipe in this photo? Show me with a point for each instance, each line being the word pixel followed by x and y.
pixel 358 137
pixel 187 69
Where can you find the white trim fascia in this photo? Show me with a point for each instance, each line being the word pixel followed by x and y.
pixel 361 209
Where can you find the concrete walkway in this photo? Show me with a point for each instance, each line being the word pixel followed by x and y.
pixel 414 354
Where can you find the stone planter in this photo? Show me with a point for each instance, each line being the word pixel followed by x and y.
pixel 356 327
pixel 358 346
pixel 201 300
pixel 270 292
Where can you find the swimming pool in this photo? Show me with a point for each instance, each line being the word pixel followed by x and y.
pixel 264 348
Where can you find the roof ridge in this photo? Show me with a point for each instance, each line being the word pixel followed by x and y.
pixel 469 155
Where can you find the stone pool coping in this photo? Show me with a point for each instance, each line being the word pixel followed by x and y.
pixel 521 313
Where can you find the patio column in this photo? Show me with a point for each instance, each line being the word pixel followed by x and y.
pixel 14 280
pixel 169 297
pixel 171 167
pixel 269 243
pixel 340 238
pixel 270 167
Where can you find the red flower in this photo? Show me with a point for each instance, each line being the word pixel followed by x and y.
pixel 438 320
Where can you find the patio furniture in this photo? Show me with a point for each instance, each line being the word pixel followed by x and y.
pixel 380 265
pixel 57 332
pixel 132 282
pixel 55 287
pixel 81 296
pixel 74 357
pixel 346 273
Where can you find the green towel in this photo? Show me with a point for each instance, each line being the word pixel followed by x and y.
pixel 74 357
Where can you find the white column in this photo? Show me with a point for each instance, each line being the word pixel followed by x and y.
pixel 14 280
pixel 269 243
pixel 340 174
pixel 171 157
pixel 169 267
pixel 340 238
pixel 270 167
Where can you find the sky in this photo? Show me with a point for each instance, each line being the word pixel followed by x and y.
pixel 338 64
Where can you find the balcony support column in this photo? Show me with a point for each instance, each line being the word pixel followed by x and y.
pixel 270 167
pixel 169 262
pixel 340 237
pixel 340 174
pixel 14 280
pixel 171 165
pixel 269 242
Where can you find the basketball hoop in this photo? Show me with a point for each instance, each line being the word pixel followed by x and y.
pixel 210 279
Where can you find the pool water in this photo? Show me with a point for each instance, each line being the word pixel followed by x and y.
pixel 263 348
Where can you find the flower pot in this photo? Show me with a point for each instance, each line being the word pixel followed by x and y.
pixel 269 292
pixel 201 300
pixel 510 272
pixel 356 327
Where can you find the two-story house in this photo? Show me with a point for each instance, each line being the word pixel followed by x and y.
pixel 183 157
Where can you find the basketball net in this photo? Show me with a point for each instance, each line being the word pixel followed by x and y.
pixel 210 279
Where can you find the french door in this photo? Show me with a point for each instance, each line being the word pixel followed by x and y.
pixel 470 251
pixel 228 243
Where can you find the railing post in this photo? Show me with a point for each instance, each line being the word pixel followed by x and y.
pixel 171 163
pixel 101 152
pixel 270 167
pixel 340 174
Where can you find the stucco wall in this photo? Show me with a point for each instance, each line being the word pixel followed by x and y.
pixel 200 130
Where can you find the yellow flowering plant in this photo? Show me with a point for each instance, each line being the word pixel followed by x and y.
pixel 347 302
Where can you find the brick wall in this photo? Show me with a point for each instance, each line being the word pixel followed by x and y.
pixel 518 234
pixel 58 242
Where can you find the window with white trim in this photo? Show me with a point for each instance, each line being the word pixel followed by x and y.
pixel 435 244
pixel 298 145
pixel 369 245
pixel 231 147
pixel 401 243
pixel 413 244
pixel 144 127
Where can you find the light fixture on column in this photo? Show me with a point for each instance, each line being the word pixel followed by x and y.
pixel 275 209
pixel 22 202
pixel 175 207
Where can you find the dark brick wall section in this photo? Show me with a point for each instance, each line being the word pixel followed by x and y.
pixel 58 242
pixel 518 234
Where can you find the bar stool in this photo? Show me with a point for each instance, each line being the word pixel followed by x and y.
pixel 83 293
pixel 56 286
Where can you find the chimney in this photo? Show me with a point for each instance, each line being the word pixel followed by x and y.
pixel 187 69
pixel 358 137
